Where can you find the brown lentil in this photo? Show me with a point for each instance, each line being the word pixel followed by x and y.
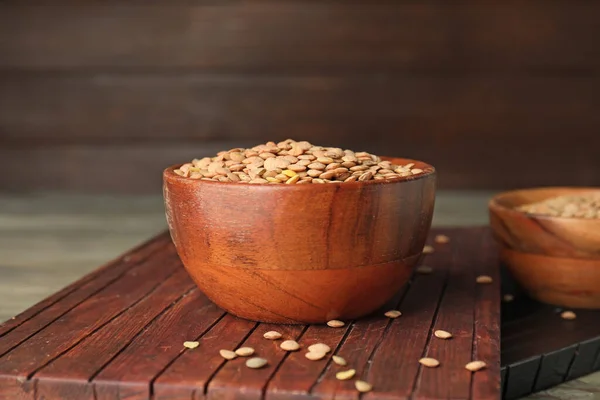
pixel 334 323
pixel 475 366
pixel 568 315
pixel 345 375
pixel 429 362
pixel 339 360
pixel 270 160
pixel 586 205
pixel 363 386
pixel 393 314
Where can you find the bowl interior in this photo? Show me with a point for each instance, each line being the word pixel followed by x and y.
pixel 516 198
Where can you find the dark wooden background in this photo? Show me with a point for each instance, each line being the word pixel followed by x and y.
pixel 100 96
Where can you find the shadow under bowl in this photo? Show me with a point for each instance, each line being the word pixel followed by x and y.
pixel 555 259
pixel 300 253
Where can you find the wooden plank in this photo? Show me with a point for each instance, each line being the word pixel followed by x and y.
pixel 303 35
pixel 455 315
pixel 82 362
pixel 131 373
pixel 95 284
pixel 126 341
pixel 58 124
pixel 383 362
pixel 235 381
pixel 487 323
pixel 188 376
pixel 100 108
pixel 20 363
pixel 130 258
pixel 297 375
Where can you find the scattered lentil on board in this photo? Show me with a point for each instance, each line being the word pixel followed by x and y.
pixel 339 360
pixel 568 315
pixel 315 355
pixel 244 351
pixel 345 375
pixel 474 366
pixel 272 335
pixel 585 205
pixel 227 354
pixel 392 314
pixel 256 362
pixel 289 345
pixel 291 162
pixel 363 386
pixel 429 362
pixel 442 334
pixel 334 323
pixel 319 348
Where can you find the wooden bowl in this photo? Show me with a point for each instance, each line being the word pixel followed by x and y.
pixel 555 259
pixel 300 253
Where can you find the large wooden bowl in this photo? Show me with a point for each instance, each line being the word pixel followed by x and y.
pixel 300 253
pixel 555 259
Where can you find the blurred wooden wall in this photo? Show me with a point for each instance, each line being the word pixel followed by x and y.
pixel 100 96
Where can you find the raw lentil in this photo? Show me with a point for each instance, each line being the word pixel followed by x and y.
pixel 429 362
pixel 227 354
pixel 393 314
pixel 484 279
pixel 289 345
pixel 319 348
pixel 339 360
pixel 334 323
pixel 442 334
pixel 272 163
pixel 256 362
pixel 475 366
pixel 586 205
pixel 315 355
pixel 244 351
pixel 272 335
pixel 345 375
pixel 363 386
pixel 568 315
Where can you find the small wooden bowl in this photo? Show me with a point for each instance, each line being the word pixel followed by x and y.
pixel 555 259
pixel 300 253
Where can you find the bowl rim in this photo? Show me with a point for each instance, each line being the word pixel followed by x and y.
pixel 428 171
pixel 494 204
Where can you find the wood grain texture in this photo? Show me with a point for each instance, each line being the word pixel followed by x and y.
pixel 115 362
pixel 457 85
pixel 397 109
pixel 131 373
pixel 325 236
pixel 245 35
pixel 72 293
pixel 556 259
pixel 107 343
pixel 85 318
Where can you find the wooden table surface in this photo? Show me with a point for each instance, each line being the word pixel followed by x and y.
pixel 118 333
pixel 48 241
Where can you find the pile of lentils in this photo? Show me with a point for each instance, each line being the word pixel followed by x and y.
pixel 570 206
pixel 291 162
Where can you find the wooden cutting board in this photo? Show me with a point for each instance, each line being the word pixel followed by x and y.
pixel 118 333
